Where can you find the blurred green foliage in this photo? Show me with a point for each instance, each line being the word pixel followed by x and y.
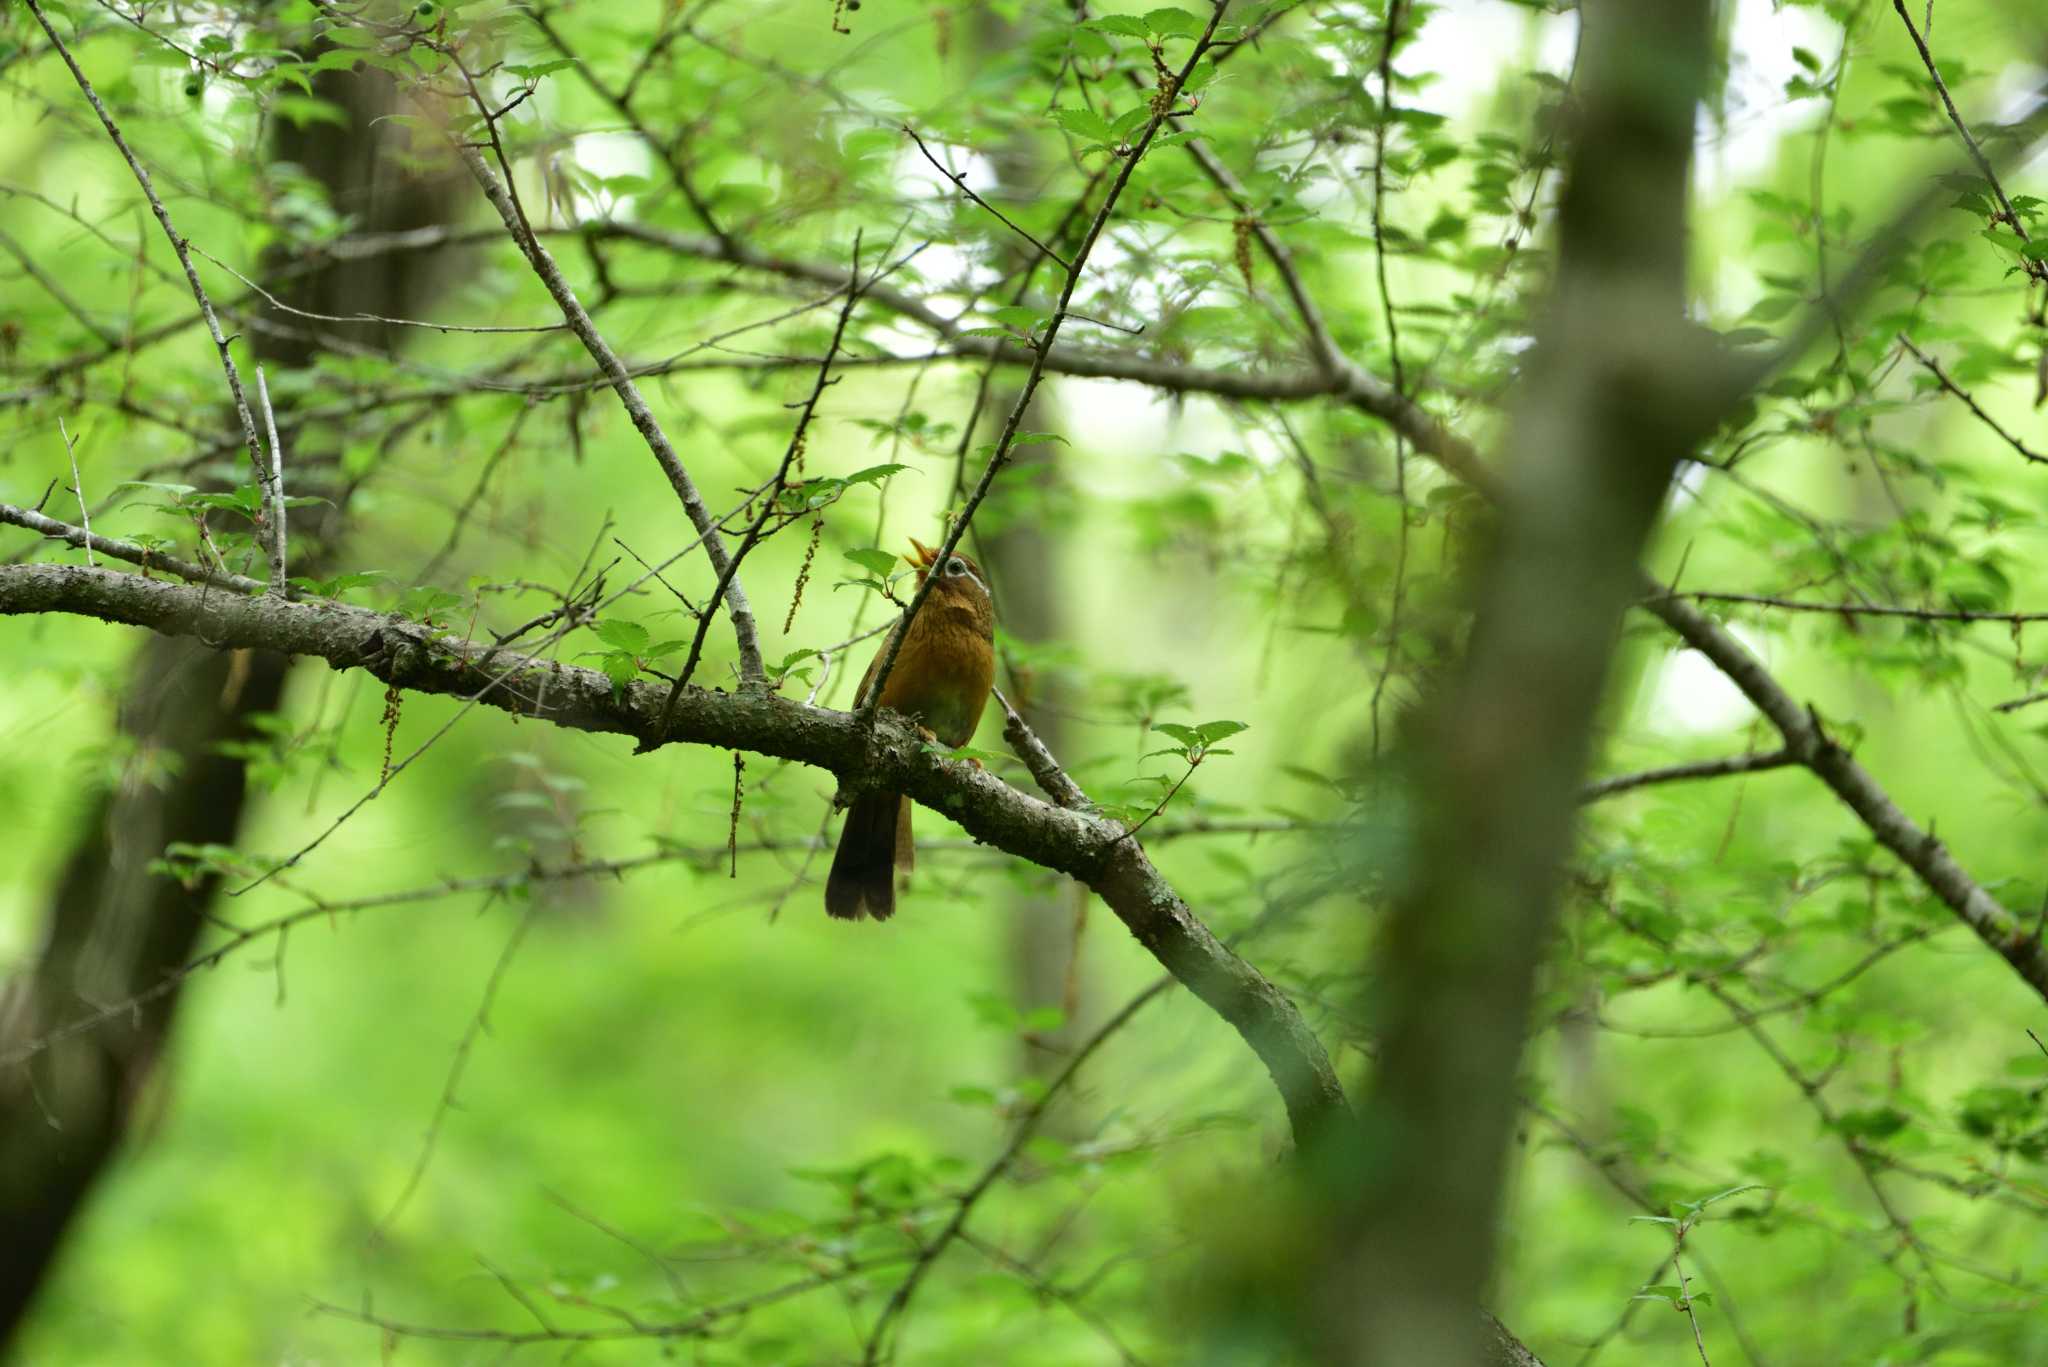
pixel 689 1091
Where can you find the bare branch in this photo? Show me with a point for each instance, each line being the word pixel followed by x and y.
pixel 1969 401
pixel 960 183
pixel 744 630
pixel 1681 773
pixel 273 487
pixel 2038 270
pixel 78 490
pixel 412 656
pixel 84 540
pixel 1041 346
pixel 1916 848
pixel 250 440
pixel 1764 600
pixel 963 1209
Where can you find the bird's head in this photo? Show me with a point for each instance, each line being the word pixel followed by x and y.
pixel 959 579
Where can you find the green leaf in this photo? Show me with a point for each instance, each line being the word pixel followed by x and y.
pixel 1085 123
pixel 245 501
pixel 423 604
pixel 1173 23
pixel 620 635
pixel 620 667
pixel 539 69
pixel 874 474
pixel 790 661
pixel 1874 1123
pixel 1118 23
pixel 1020 318
pixel 881 562
pixel 339 584
pixel 1043 1020
pixel 1038 439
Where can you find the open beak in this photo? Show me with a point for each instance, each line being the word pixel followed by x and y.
pixel 924 555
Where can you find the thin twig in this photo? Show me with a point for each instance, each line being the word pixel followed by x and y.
pixel 1040 350
pixel 537 256
pixel 1027 1125
pixel 89 542
pixel 78 491
pixel 1679 773
pixel 479 1024
pixel 178 245
pixel 1764 600
pixel 2036 269
pixel 1969 401
pixel 429 325
pixel 1384 117
pixel 769 500
pixel 273 487
pixel 960 183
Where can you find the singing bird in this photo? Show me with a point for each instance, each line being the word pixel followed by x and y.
pixel 941 679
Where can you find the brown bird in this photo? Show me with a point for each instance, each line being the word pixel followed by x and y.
pixel 941 679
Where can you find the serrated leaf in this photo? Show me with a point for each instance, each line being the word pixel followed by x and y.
pixel 539 69
pixel 1085 123
pixel 1021 318
pixel 620 667
pixel 1131 120
pixel 1174 23
pixel 881 562
pixel 874 474
pixel 1124 24
pixel 630 637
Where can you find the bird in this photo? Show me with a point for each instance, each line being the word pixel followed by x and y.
pixel 941 680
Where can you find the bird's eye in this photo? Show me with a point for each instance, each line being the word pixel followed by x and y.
pixel 956 566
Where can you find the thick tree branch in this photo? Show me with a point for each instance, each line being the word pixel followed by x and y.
pixel 81 539
pixel 1805 738
pixel 415 657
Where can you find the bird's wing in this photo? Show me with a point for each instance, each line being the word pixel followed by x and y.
pixel 867 680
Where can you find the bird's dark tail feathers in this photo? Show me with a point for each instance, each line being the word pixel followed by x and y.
pixel 873 844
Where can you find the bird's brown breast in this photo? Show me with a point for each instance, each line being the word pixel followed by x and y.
pixel 945 670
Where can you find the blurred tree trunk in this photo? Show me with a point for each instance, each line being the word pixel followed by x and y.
pixel 117 928
pixel 1618 390
pixel 1044 925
